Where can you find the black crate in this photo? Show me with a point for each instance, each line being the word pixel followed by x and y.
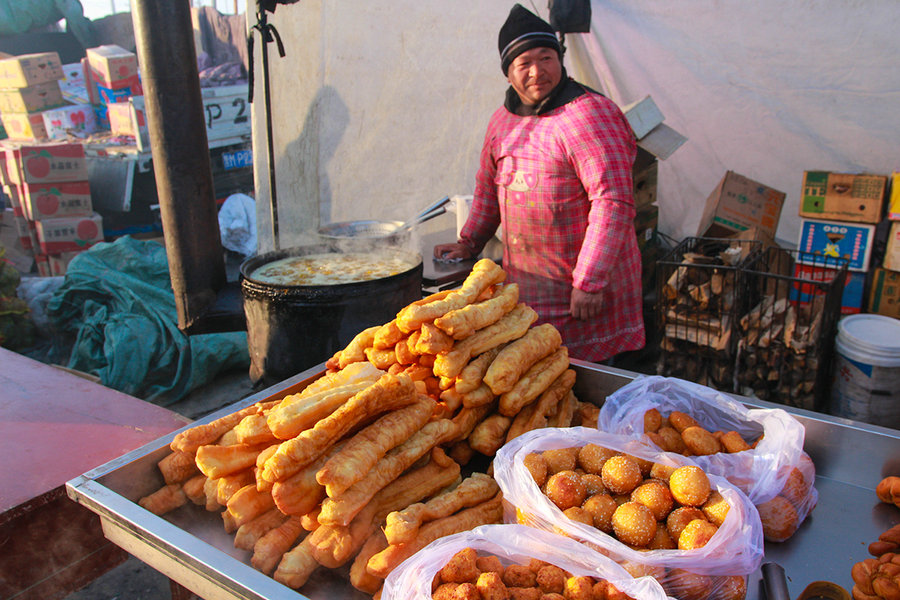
pixel 785 341
pixel 698 285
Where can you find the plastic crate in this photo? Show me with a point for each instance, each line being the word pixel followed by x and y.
pixel 698 284
pixel 785 341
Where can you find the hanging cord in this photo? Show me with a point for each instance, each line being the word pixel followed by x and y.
pixel 268 33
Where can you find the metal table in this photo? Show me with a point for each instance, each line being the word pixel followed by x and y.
pixel 191 547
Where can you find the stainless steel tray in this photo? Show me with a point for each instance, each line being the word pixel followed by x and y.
pixel 190 545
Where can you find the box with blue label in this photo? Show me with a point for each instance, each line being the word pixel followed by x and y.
pixel 837 239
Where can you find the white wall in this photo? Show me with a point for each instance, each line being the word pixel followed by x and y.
pixel 380 108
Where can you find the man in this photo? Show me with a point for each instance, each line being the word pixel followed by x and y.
pixel 555 170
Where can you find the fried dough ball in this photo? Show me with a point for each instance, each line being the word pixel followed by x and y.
pixel 593 484
pixel 580 515
pixel 656 496
pixel 779 519
pixel 592 457
pixel 661 539
pixel 729 587
pixel 579 588
pixel 733 442
pixel 551 579
pixel 466 591
pixel 445 591
pixel 634 524
pixel 795 488
pixel 621 474
pixel 661 471
pixel 681 421
pixel 614 593
pixel 690 485
pixel 461 567
pixel 491 587
pixel 519 576
pixel 560 459
pixel 524 593
pixel 652 421
pixel 565 489
pixel 696 534
pixel 680 517
pixel 537 466
pixel 599 590
pixel 601 507
pixel 553 596
pixel 686 585
pixel 656 439
pixel 672 440
pixel 716 508
pixel 700 442
pixel 644 464
pixel 489 564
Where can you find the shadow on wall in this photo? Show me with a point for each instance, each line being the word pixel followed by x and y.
pixel 303 188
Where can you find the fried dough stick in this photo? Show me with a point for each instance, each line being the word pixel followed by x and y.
pixel 533 383
pixel 432 340
pixel 402 526
pixel 520 355
pixel 248 503
pixel 536 415
pixel 463 322
pixel 296 565
pixel 191 439
pixel 290 418
pixel 489 435
pixel 301 493
pixel 390 392
pixel 218 461
pixel 387 335
pixel 472 375
pixel 512 326
pixel 193 489
pixel 387 560
pixel 248 533
pixel 365 448
pixel 334 545
pixel 228 485
pixel 169 497
pixel 467 418
pixel 341 509
pixel 356 349
pixel 268 550
pixel 177 467
pixel 359 577
pixel 485 273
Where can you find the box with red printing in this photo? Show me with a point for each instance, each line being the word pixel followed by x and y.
pixel 854 287
pixel 69 234
pixel 43 264
pixel 62 199
pixel 78 120
pixel 121 92
pixel 59 263
pixel 24 126
pixel 29 69
pixel 111 64
pixel 46 163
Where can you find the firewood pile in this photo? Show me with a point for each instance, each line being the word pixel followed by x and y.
pixel 698 309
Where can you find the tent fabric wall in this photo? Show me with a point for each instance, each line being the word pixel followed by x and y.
pixel 380 109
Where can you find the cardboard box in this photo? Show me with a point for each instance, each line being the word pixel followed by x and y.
pixel 46 163
pixel 11 245
pixel 843 196
pixel 739 203
pixel 43 264
pixel 121 92
pixel 892 251
pixel 894 202
pixel 837 239
pixel 24 126
pixel 27 236
pixel 33 98
pixel 59 263
pixel 78 120
pixel 73 85
pixel 50 200
pixel 884 294
pixel 30 69
pixel 111 64
pixel 69 234
pixel 125 119
pixel 854 287
pixel 643 116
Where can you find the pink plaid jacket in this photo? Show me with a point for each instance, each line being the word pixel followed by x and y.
pixel 560 184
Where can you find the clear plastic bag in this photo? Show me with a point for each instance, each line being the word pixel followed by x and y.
pixel 734 551
pixel 762 473
pixel 512 544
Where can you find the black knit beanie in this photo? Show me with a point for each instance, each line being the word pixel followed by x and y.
pixel 524 30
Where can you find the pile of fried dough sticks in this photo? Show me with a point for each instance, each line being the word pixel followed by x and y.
pixel 369 462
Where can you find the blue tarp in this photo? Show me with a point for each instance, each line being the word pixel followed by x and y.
pixel 117 304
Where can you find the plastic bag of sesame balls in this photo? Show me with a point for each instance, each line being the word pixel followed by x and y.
pixel 768 463
pixel 420 576
pixel 655 513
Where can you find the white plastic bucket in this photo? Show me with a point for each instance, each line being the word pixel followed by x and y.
pixel 866 383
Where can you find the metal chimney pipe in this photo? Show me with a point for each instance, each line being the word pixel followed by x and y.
pixel 174 112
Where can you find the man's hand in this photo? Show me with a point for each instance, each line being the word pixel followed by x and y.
pixel 584 305
pixel 451 251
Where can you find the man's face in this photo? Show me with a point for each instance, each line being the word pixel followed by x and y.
pixel 534 74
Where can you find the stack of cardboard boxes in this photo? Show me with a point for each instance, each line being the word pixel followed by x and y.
pixel 839 214
pixel 51 202
pixel 884 293
pixel 29 85
pixel 112 79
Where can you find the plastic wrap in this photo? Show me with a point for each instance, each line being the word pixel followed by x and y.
pixel 512 544
pixel 762 473
pixel 734 551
